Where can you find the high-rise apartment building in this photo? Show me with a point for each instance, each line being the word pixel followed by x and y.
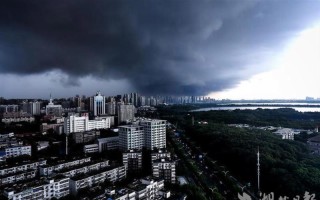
pixel 98 104
pixel 131 137
pixel 111 108
pixel 125 112
pixel 155 133
pixel 151 133
pixel 34 108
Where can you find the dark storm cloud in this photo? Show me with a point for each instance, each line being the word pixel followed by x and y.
pixel 164 47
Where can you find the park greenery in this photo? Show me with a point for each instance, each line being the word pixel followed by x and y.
pixel 287 167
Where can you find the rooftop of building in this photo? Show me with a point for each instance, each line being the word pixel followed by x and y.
pixel 57 161
pixel 133 151
pixel 130 126
pixel 157 151
pixel 315 139
pixel 18 173
pixel 108 138
pixel 142 119
pixel 141 184
pixel 95 172
pixel 116 193
pixel 86 164
pixel 163 160
pixel 20 163
pixel 28 184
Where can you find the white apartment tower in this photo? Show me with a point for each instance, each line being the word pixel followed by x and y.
pixel 75 123
pixel 98 104
pixel 155 133
pixel 131 137
pixel 34 108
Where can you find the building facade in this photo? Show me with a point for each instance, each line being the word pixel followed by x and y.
pixel 131 137
pixel 75 123
pixel 125 112
pixel 98 104
pixel 165 169
pixel 109 143
pixel 91 148
pixel 155 133
pixel 50 188
pixel 55 110
pixel 94 178
pixel 133 160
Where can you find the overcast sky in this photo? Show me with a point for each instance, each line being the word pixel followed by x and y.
pixel 223 48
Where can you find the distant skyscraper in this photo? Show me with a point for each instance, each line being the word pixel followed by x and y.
pixel 111 107
pixel 134 99
pixel 142 101
pixel 125 112
pixel 55 110
pixel 97 104
pixel 34 108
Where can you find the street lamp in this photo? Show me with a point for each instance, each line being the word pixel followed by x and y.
pixel 213 189
pixel 242 188
pixel 225 172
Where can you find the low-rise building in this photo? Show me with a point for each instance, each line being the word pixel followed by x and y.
pixel 120 194
pixel 286 133
pixel 109 143
pixel 42 145
pixel 55 187
pixel 84 137
pixel 314 144
pixel 21 176
pixel 17 117
pixel 112 174
pixel 21 167
pixel 15 151
pixel 58 128
pixel 48 169
pixel 148 188
pixel 91 148
pixel 82 169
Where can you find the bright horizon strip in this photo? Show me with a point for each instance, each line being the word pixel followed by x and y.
pixel 296 75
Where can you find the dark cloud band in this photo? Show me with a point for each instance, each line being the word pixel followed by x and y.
pixel 160 47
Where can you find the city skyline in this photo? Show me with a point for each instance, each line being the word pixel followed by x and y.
pixel 222 49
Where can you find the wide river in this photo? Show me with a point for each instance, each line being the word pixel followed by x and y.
pixel 300 108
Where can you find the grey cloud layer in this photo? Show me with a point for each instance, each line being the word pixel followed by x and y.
pixel 163 47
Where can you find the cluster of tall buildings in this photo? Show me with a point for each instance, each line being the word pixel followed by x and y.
pixel 149 133
pixel 83 119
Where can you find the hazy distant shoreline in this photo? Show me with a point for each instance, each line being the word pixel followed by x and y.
pixel 301 107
